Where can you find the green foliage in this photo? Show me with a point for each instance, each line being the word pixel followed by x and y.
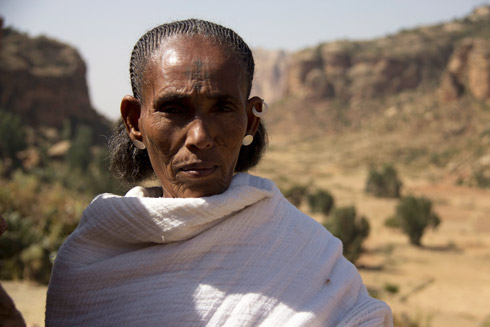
pixel 27 248
pixel 66 131
pixel 321 201
pixel 481 178
pixel 296 194
pixel 415 215
pixel 384 183
pixel 12 136
pixel 392 222
pixel 350 229
pixel 79 156
pixel 43 205
pixel 373 292
pixel 39 217
pixel 88 166
pixel 440 159
pixel 391 288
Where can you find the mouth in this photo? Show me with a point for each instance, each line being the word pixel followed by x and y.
pixel 197 169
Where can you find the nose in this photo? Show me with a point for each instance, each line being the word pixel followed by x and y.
pixel 198 135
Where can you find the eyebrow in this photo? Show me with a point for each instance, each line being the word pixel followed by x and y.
pixel 180 97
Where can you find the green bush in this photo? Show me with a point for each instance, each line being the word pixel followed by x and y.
pixel 392 222
pixel 384 183
pixel 350 229
pixel 12 136
pixel 39 218
pixel 296 194
pixel 415 215
pixel 481 178
pixel 321 201
pixel 391 288
pixel 79 155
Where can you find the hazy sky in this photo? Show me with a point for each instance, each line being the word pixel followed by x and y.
pixel 105 31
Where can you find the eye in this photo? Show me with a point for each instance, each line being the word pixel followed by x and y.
pixel 171 109
pixel 225 107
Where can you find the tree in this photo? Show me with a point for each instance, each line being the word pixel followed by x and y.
pixel 12 136
pixel 414 215
pixel 78 155
pixel 384 183
pixel 296 194
pixel 350 229
pixel 321 201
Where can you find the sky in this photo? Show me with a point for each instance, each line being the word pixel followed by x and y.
pixel 104 32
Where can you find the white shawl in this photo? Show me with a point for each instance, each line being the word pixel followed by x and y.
pixel 246 257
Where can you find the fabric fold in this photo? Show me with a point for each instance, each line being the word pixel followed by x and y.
pixel 246 257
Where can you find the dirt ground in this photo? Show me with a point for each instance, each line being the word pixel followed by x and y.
pixel 29 298
pixel 444 283
pixel 447 281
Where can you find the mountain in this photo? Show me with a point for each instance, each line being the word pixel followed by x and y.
pixel 419 98
pixel 44 82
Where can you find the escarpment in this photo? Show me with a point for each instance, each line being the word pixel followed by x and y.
pixel 44 81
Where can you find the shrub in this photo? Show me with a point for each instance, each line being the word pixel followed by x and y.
pixel 28 247
pixel 391 288
pixel 415 215
pixel 79 155
pixel 12 136
pixel 350 229
pixel 392 222
pixel 321 201
pixel 39 218
pixel 296 194
pixel 384 183
pixel 481 178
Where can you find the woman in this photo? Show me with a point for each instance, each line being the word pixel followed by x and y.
pixel 212 246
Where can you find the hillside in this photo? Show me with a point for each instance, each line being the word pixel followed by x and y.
pixel 419 98
pixel 44 82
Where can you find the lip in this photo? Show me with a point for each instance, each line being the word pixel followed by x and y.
pixel 196 170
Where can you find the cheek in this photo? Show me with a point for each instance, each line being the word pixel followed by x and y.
pixel 160 145
pixel 232 136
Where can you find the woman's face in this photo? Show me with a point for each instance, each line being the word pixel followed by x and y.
pixel 194 115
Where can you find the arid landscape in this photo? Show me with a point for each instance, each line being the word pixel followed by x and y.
pixel 418 100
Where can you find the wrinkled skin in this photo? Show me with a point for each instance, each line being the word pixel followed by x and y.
pixel 193 115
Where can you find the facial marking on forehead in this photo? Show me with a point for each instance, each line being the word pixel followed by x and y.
pixel 197 74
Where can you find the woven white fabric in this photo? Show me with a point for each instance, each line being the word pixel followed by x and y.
pixel 246 257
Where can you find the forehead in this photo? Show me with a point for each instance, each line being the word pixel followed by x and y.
pixel 194 57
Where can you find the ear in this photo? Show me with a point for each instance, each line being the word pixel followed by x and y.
pixel 253 121
pixel 130 114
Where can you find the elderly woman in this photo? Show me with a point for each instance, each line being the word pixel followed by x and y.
pixel 212 246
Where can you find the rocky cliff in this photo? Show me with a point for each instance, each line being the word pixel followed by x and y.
pixel 449 59
pixel 454 54
pixel 43 81
pixel 420 97
pixel 270 73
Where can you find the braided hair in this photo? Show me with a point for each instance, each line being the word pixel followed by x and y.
pixel 130 164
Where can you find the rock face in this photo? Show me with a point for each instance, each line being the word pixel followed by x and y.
pixel 357 70
pixel 454 55
pixel 43 80
pixel 467 69
pixel 270 74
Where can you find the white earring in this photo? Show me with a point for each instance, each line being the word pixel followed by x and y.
pixel 263 112
pixel 140 145
pixel 247 140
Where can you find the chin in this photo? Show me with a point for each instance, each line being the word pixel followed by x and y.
pixel 204 190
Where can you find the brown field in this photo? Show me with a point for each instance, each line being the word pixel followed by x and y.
pixel 444 283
